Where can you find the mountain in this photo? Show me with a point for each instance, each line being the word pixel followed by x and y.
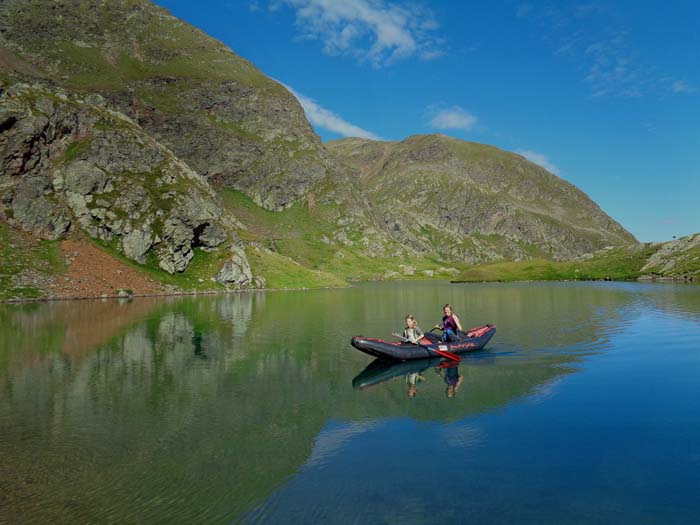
pixel 74 165
pixel 476 203
pixel 211 108
pixel 131 138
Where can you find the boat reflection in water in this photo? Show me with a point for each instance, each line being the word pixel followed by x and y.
pixel 414 373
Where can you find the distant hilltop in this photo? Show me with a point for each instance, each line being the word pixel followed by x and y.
pixel 128 133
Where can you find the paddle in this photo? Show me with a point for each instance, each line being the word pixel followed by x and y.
pixel 443 353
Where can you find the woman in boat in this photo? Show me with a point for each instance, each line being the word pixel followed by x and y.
pixel 450 324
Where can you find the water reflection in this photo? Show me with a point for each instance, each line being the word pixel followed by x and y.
pixel 198 409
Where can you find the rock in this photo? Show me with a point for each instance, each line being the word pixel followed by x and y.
pixel 133 199
pixel 259 282
pixel 177 233
pixel 36 213
pixel 58 182
pixel 406 269
pixel 391 275
pixel 136 244
pixel 341 236
pixel 174 260
pixel 209 235
pixel 235 272
pixel 96 100
pixel 428 273
pixel 99 213
pixel 124 293
pixel 84 178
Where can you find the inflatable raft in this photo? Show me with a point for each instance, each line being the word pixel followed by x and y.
pixel 471 341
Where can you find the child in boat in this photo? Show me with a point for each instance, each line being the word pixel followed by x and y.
pixel 450 324
pixel 412 332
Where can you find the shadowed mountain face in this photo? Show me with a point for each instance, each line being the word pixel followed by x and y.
pixel 475 202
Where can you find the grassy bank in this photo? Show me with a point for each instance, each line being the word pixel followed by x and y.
pixel 617 264
pixel 26 264
pixel 290 249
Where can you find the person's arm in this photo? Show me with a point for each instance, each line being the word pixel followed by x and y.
pixel 459 325
pixel 419 332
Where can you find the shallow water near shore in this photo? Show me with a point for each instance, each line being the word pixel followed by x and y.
pixel 254 408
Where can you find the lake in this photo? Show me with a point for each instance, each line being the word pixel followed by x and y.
pixel 254 408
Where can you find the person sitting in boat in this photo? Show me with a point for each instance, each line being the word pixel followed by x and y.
pixel 412 332
pixel 450 324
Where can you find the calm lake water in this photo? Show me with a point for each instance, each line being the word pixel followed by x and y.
pixel 584 408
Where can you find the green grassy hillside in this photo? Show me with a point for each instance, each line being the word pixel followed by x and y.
pixel 677 260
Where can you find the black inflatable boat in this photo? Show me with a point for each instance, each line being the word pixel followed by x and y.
pixel 381 370
pixel 472 340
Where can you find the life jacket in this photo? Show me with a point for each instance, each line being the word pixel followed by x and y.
pixel 449 323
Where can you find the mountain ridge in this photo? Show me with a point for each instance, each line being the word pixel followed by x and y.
pixel 115 115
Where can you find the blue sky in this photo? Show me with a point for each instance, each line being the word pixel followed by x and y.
pixel 604 94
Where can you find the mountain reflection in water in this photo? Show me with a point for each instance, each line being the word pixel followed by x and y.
pixel 217 408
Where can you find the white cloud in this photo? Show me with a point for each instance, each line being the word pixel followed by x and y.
pixel 606 52
pixel 328 120
pixel 453 117
pixel 611 71
pixel 539 159
pixel 370 30
pixel 680 86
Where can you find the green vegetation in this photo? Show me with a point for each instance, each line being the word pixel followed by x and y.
pixel 75 150
pixel 282 272
pixel 291 242
pixel 25 263
pixel 611 264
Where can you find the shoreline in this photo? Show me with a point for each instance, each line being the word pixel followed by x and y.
pixel 641 280
pixel 164 294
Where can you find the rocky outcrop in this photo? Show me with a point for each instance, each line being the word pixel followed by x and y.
pixel 236 272
pixel 677 259
pixel 68 164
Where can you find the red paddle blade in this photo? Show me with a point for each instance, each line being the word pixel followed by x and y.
pixel 448 355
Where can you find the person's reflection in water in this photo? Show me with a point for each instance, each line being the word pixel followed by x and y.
pixel 413 379
pixel 197 343
pixel 452 379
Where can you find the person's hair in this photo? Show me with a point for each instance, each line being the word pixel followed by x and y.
pixel 448 305
pixel 410 317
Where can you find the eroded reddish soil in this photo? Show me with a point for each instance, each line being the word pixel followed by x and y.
pixel 94 273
